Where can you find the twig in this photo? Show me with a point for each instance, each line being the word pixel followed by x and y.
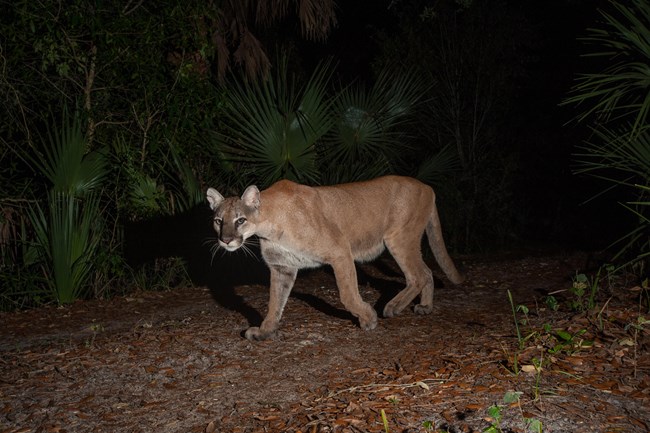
pixel 420 383
pixel 129 7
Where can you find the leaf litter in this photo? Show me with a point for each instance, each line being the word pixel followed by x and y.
pixel 176 361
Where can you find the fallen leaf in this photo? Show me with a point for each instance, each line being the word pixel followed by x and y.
pixel 211 427
pixel 626 342
pixel 529 368
pixel 266 417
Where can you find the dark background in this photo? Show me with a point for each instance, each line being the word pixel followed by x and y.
pixel 158 97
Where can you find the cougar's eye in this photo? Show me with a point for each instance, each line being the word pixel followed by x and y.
pixel 240 221
pixel 217 220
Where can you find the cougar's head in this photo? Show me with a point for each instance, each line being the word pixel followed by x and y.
pixel 234 217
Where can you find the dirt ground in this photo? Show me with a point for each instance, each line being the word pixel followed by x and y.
pixel 176 361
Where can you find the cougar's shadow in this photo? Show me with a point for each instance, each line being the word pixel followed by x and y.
pixel 190 236
pixel 386 288
pixel 231 270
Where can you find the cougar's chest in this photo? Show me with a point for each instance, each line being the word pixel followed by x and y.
pixel 280 255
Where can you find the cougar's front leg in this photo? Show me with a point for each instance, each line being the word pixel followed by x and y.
pixel 282 279
pixel 346 280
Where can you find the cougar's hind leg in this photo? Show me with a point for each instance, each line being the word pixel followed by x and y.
pixel 419 280
pixel 426 294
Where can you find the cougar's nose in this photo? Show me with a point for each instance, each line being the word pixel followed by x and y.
pixel 227 239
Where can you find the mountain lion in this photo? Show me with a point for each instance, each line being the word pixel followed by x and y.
pixel 303 227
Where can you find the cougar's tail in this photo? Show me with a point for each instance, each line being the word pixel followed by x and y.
pixel 437 244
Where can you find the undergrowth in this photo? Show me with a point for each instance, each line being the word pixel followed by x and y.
pixel 588 297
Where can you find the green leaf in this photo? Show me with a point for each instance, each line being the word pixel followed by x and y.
pixel 495 412
pixel 533 425
pixel 67 163
pixel 512 397
pixel 552 303
pixel 384 420
pixel 582 278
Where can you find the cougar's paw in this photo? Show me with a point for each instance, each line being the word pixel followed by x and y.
pixel 256 334
pixel 391 310
pixel 423 309
pixel 368 323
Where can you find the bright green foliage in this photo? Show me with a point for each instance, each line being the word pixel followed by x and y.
pixel 428 425
pixel 569 343
pixel 496 413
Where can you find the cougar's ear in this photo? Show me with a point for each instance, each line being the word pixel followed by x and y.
pixel 214 198
pixel 251 197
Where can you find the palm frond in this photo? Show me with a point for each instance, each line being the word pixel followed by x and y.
pixel 618 100
pixel 434 169
pixel 369 122
pixel 66 162
pixel 622 90
pixel 614 150
pixel 275 125
pixel 68 230
pixel 146 196
pixel 362 169
pixel 185 187
pixel 67 238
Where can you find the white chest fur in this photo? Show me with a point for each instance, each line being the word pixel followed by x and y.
pixel 276 254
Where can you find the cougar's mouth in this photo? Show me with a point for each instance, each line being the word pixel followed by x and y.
pixel 231 245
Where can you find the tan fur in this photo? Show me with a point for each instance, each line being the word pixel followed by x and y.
pixel 301 226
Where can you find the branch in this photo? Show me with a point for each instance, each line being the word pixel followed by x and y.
pixel 128 8
pixel 90 79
